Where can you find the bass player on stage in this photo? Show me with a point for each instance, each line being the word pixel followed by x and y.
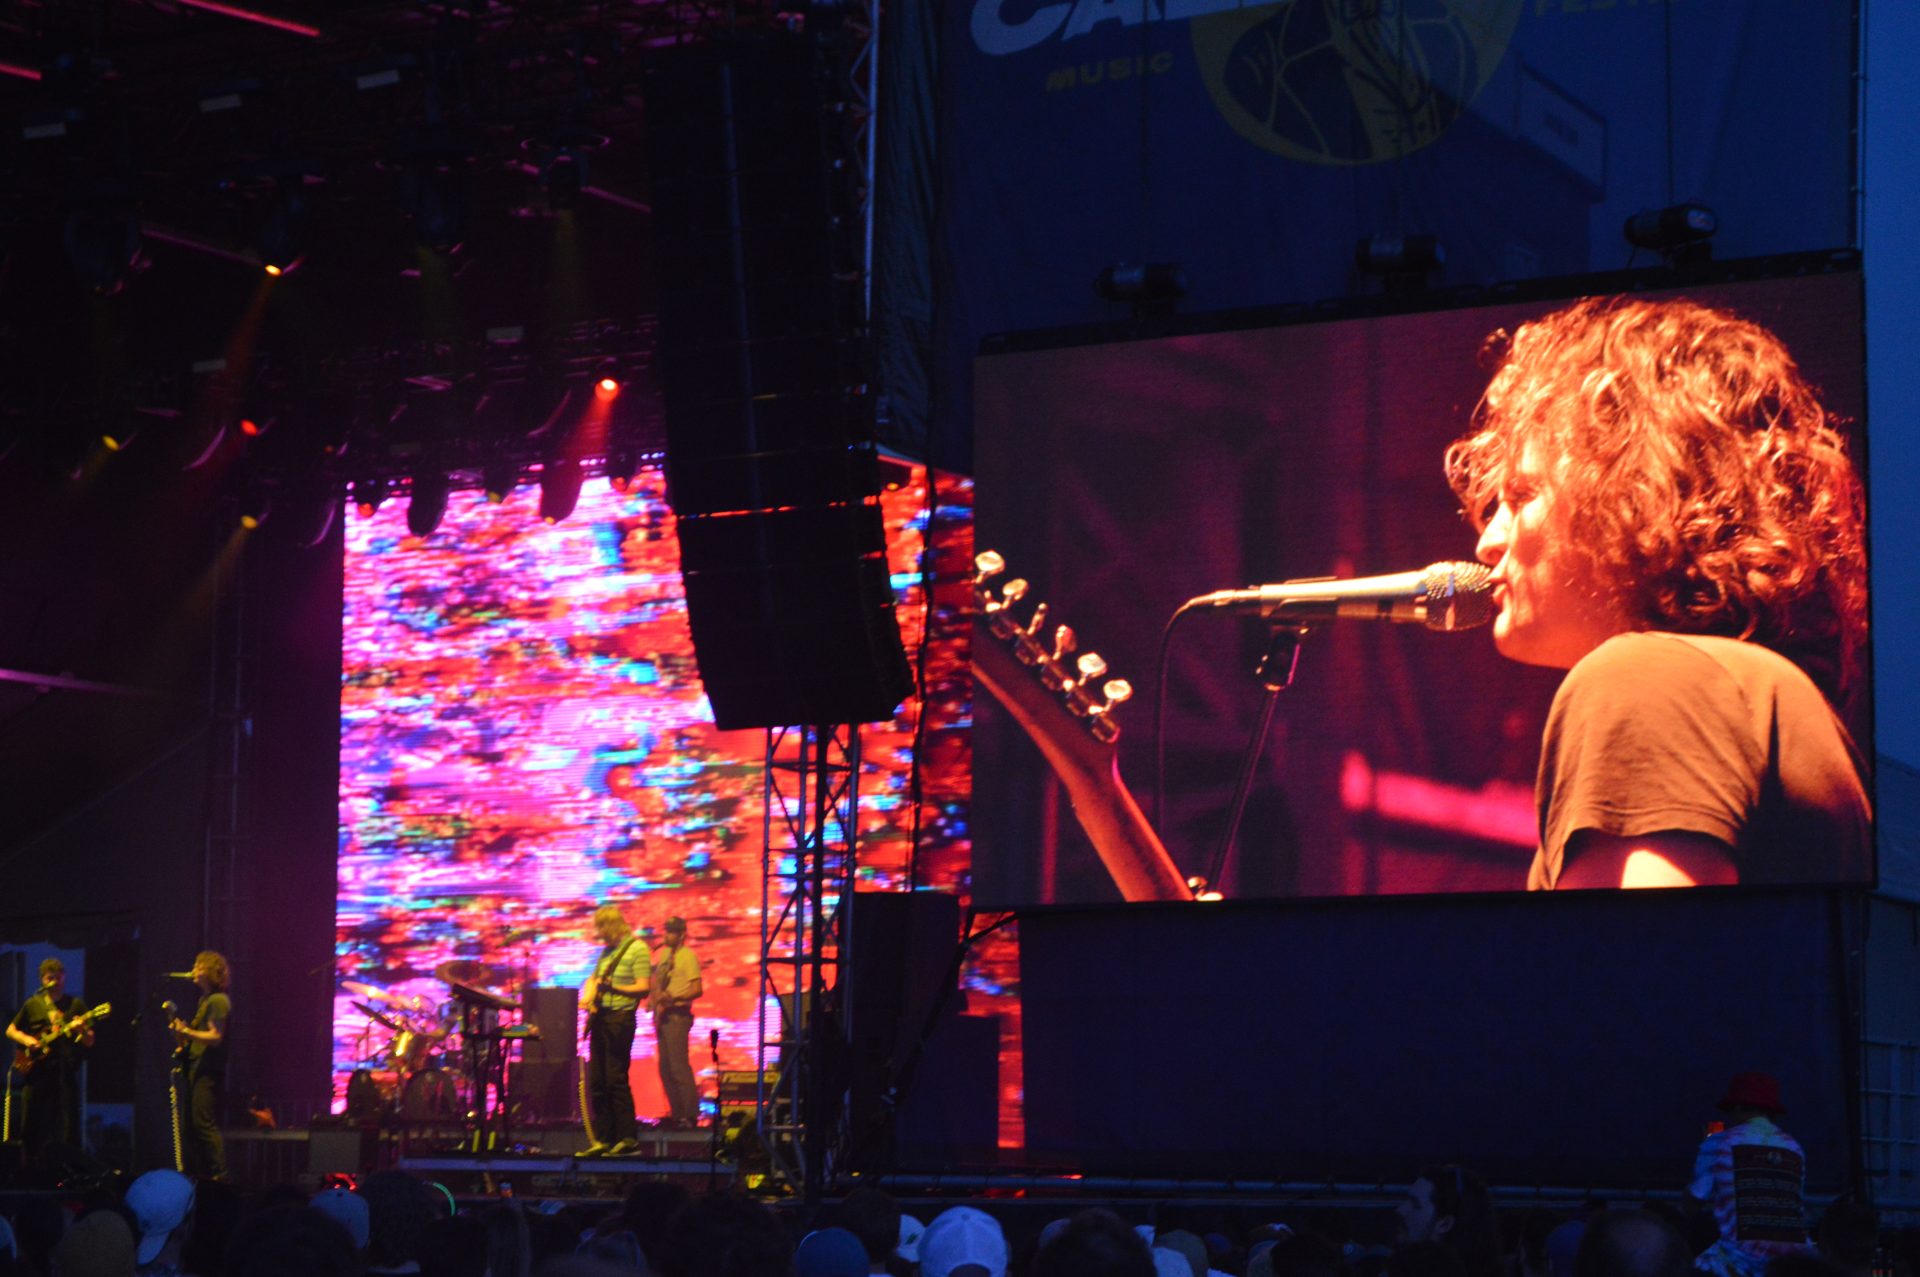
pixel 612 1001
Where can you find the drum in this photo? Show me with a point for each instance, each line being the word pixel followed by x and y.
pixel 411 1049
pixel 430 1096
pixel 368 1096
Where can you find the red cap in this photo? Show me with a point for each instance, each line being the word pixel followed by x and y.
pixel 1753 1091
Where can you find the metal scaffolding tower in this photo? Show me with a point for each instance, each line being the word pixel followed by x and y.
pixel 812 830
pixel 812 804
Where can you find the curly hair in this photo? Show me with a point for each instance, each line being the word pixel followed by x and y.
pixel 1702 487
pixel 216 966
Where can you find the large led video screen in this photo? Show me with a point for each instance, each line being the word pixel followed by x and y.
pixel 1641 660
pixel 524 736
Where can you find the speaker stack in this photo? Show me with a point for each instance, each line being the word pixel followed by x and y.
pixel 764 366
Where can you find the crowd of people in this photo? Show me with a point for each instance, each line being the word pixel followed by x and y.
pixel 390 1222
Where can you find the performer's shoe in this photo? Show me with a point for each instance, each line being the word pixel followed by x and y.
pixel 596 1149
pixel 625 1148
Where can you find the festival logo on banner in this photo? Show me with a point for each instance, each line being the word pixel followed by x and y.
pixel 1323 81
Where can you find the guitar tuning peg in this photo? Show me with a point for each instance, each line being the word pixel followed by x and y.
pixel 1117 691
pixel 1039 621
pixel 1064 641
pixel 1014 590
pixel 1091 666
pixel 989 563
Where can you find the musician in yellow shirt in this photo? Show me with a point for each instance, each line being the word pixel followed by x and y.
pixel 676 986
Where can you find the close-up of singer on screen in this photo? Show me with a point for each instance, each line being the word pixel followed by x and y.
pixel 1671 518
pixel 1638 655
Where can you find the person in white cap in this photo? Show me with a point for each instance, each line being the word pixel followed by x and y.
pixel 963 1242
pixel 163 1203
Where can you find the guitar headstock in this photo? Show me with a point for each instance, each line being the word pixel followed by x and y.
pixel 1053 658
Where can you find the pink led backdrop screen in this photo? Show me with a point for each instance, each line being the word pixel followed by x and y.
pixel 1122 479
pixel 523 735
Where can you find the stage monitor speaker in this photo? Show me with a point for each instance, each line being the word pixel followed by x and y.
pixel 546 1090
pixel 336 1150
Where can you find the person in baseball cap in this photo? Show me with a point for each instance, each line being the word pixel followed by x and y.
pixel 830 1252
pixel 349 1210
pixel 963 1242
pixel 163 1203
pixel 1753 1176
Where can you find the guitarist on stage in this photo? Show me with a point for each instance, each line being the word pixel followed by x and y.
pixel 612 1002
pixel 204 1040
pixel 52 1092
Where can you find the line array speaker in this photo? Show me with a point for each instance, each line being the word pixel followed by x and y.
pixel 765 382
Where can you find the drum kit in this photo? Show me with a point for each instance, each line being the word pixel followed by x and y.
pixel 424 1062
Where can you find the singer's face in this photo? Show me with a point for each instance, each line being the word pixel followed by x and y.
pixel 1547 616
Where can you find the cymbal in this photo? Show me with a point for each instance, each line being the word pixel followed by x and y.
pixel 479 997
pixel 465 971
pixel 375 992
pixel 375 1016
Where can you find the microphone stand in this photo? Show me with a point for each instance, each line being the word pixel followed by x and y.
pixel 713 1135
pixel 1275 670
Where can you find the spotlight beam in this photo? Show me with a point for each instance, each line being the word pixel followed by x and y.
pixel 67 683
pixel 180 239
pixel 254 16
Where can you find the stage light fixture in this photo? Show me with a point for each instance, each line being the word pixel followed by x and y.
pixel 559 488
pixel 498 480
pixel 255 506
pixel 1399 255
pixel 621 464
pixel 565 173
pixel 1678 233
pixel 1154 285
pixel 427 502
pixel 282 238
pixel 606 388
pixel 367 494
pixel 119 436
pixel 435 187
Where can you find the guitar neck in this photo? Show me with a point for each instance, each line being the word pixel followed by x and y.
pixel 1088 768
pixel 25 1057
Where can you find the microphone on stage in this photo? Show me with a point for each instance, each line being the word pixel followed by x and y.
pixel 713 1039
pixel 176 975
pixel 1441 596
